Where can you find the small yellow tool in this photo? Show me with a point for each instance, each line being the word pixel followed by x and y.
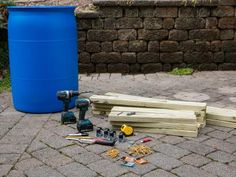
pixel 127 130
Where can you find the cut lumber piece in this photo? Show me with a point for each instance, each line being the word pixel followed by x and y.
pixel 222 114
pixel 101 109
pixel 177 126
pixel 221 123
pixel 167 116
pixel 161 103
pixel 166 131
pixel 100 113
pixel 148 102
pixel 102 106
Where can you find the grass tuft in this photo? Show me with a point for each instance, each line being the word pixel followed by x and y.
pixel 5 83
pixel 182 71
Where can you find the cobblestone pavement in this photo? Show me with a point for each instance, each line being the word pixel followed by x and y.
pixel 33 145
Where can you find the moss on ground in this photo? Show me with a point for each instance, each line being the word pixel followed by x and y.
pixel 5 83
pixel 182 71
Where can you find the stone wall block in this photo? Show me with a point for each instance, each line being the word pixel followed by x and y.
pixel 189 23
pixel 84 57
pixel 178 35
pixel 169 46
pixel 97 23
pixel 226 34
pixel 229 46
pixel 109 23
pixel 86 68
pixel 211 22
pixel 230 57
pixel 111 12
pixel 135 68
pixel 223 11
pixel 191 45
pixel 198 57
pixel 151 68
pixel 81 46
pixel 187 12
pixel 147 12
pixel 166 12
pixel 227 66
pixel 118 68
pixel 153 46
pixel 152 23
pixel 218 57
pixel 82 35
pixel 227 23
pixel 84 24
pixel 102 35
pixel 131 12
pixel 120 46
pixel 127 34
pixel 171 57
pixel 207 67
pixel 129 23
pixel 106 46
pixel 101 68
pixel 205 34
pixel 128 57
pixel 105 57
pixel 168 23
pixel 137 46
pixel 216 46
pixel 148 57
pixel 152 34
pixel 93 47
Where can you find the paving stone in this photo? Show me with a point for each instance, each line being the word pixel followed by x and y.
pixel 221 156
pixel 142 169
pixel 220 145
pixel 159 173
pixel 4 169
pixel 190 171
pixel 171 150
pixel 233 164
pixel 72 150
pixel 200 138
pixel 14 173
pixel 86 157
pixel 219 134
pixel 196 147
pixel 163 161
pixel 194 96
pixel 224 129
pixel 9 159
pixel 36 145
pixel 76 170
pixel 97 149
pixel 12 148
pixel 195 160
pixel 231 139
pixel 206 130
pixel 27 164
pixel 51 157
pixel 24 156
pixel 16 139
pixel 44 171
pixel 129 175
pixel 106 168
pixel 220 169
pixel 172 139
pixel 233 132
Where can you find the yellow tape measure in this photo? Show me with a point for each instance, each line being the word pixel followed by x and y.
pixel 127 130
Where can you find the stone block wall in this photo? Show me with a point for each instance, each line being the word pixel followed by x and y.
pixel 147 36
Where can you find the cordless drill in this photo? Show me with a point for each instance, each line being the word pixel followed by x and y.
pixel 83 125
pixel 67 117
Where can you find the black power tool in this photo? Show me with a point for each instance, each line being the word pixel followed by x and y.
pixel 83 125
pixel 67 117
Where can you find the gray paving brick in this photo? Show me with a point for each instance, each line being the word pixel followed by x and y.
pixel 35 146
pixel 159 173
pixel 27 164
pixel 24 156
pixel 220 169
pixel 206 130
pixel 86 157
pixel 233 164
pixel 163 161
pixel 76 170
pixel 16 139
pixel 142 169
pixel 129 175
pixel 196 147
pixel 44 171
pixel 73 150
pixel 12 148
pixel 219 134
pixel 233 132
pixel 9 159
pixel 171 150
pixel 190 171
pixel 195 160
pixel 221 156
pixel 220 145
pixel 172 139
pixel 51 157
pixel 231 139
pixel 200 138
pixel 14 173
pixel 97 149
pixel 4 169
pixel 225 129
pixel 106 168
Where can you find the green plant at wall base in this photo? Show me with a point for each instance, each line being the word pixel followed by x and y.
pixel 3 12
pixel 193 2
pixel 5 83
pixel 182 71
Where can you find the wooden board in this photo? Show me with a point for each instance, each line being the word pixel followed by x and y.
pixel 228 115
pixel 221 123
pixel 100 113
pixel 166 104
pixel 169 116
pixel 102 106
pixel 166 131
pixel 177 126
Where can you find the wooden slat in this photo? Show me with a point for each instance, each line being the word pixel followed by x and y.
pixel 151 103
pixel 166 131
pixel 177 126
pixel 221 123
pixel 221 114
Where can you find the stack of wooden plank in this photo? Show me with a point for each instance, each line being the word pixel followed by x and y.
pixel 151 115
pixel 221 117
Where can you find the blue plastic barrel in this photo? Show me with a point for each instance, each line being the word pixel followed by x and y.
pixel 43 56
